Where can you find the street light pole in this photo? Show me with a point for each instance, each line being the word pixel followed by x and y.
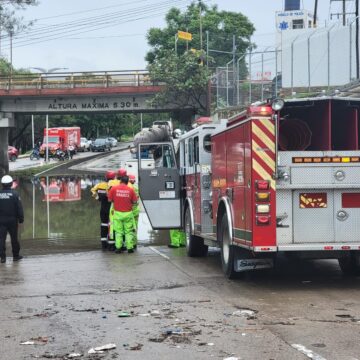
pixel 47 138
pixel 200 20
pixel 32 131
pixel 48 71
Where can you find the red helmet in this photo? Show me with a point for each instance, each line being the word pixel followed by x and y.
pixel 110 175
pixel 121 172
pixel 132 177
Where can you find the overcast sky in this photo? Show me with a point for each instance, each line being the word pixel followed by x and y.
pixel 117 40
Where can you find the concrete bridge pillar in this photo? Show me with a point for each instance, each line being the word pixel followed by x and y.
pixel 6 121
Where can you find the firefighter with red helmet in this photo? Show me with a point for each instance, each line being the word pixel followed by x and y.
pixel 136 208
pixel 123 198
pixel 99 192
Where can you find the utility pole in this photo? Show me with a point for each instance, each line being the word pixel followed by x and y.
pixel 200 21
pixel 343 13
pixel 315 12
pixel 357 38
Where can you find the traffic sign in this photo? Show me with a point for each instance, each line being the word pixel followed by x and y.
pixel 184 35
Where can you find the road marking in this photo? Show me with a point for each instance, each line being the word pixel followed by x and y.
pixel 159 253
pixel 309 353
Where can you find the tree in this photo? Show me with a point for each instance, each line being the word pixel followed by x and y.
pixel 10 22
pixel 220 25
pixel 186 81
pixel 185 78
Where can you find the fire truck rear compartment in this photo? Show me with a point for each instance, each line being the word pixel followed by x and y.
pixel 318 204
pixel 318 185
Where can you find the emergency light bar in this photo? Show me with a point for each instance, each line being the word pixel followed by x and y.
pixel 325 160
pixel 262 110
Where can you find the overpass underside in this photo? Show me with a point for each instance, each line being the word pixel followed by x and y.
pixel 74 93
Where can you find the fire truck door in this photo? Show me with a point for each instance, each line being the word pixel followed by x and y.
pixel 159 185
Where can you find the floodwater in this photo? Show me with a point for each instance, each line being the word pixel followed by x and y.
pixel 62 216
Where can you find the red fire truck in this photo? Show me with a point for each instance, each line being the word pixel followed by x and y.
pixel 278 177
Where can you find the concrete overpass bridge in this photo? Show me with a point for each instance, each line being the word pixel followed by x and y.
pixel 71 93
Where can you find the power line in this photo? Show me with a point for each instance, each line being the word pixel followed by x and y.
pixel 90 10
pixel 27 43
pixel 97 20
pixel 90 26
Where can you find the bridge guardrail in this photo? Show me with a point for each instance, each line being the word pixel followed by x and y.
pixel 73 80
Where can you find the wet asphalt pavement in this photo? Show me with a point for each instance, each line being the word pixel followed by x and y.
pixel 66 295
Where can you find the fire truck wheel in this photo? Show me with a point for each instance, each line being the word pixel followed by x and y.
pixel 350 264
pixel 227 250
pixel 194 244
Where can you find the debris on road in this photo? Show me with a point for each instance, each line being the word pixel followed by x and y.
pixel 176 335
pixel 172 331
pixel 45 314
pixel 123 314
pixel 279 323
pixel 40 340
pixel 102 349
pixel 73 355
pixel 246 313
pixel 135 347
pixel 94 311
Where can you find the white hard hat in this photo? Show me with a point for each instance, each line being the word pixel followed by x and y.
pixel 6 179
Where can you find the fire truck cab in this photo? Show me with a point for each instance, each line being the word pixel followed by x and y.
pixel 278 177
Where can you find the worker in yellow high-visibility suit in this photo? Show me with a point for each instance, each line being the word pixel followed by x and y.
pixel 177 238
pixel 99 192
pixel 136 207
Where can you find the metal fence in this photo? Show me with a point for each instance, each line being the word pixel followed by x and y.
pixel 306 62
pixel 235 86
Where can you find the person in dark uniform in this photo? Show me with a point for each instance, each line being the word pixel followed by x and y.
pixel 99 192
pixel 11 214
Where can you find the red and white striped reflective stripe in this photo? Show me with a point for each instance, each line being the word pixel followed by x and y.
pixel 263 149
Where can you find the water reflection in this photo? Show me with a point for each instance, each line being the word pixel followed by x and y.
pixel 62 216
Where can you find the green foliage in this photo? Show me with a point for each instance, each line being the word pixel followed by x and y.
pixel 10 22
pixel 5 68
pixel 178 66
pixel 220 25
pixel 186 80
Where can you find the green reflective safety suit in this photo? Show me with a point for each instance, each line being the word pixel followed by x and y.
pixel 124 229
pixel 111 235
pixel 177 238
pixel 136 212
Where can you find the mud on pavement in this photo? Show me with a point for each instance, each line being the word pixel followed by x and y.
pixel 63 306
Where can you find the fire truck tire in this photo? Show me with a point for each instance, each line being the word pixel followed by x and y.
pixel 227 250
pixel 350 264
pixel 194 244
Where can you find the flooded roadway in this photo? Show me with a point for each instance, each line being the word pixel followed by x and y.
pixel 62 216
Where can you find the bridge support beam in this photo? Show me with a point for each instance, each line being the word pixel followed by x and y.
pixel 6 121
